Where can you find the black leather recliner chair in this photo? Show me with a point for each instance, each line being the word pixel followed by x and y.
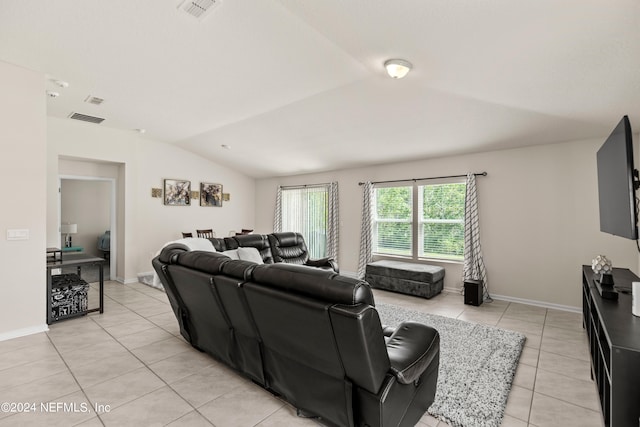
pixel 309 335
pixel 291 248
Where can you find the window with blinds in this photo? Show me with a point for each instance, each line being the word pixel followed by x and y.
pixel 442 221
pixel 420 221
pixel 305 210
pixel 393 229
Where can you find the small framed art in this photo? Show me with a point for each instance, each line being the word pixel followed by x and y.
pixel 177 192
pixel 210 194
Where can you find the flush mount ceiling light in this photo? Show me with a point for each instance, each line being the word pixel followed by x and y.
pixel 94 100
pixel 397 68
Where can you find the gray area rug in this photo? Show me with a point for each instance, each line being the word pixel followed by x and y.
pixel 477 366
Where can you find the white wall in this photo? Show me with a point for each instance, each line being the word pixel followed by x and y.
pixel 23 149
pixel 146 224
pixel 538 212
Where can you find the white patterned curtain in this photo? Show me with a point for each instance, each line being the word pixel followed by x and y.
pixel 333 222
pixel 277 217
pixel 366 248
pixel 473 263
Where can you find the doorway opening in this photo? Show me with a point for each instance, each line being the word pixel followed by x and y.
pixel 87 208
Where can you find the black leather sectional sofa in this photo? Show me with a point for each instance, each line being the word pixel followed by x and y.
pixel 287 247
pixel 306 334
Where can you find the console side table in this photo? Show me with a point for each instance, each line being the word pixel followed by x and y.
pixel 78 262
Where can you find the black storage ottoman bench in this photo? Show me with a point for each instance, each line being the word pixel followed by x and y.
pixel 421 280
pixel 69 295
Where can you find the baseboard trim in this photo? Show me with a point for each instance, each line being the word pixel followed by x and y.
pixel 536 303
pixel 23 332
pixel 542 304
pixel 126 281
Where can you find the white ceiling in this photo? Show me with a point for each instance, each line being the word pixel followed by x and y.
pixel 296 86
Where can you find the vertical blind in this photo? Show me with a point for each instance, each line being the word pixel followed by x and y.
pixel 305 210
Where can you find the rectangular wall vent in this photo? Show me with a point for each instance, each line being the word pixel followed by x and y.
pixel 94 100
pixel 198 8
pixel 86 118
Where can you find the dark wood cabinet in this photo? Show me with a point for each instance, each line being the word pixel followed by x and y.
pixel 614 341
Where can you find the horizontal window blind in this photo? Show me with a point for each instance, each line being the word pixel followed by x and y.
pixel 437 221
pixel 442 220
pixel 393 230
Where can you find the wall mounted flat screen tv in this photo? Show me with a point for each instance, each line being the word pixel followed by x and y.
pixel 617 183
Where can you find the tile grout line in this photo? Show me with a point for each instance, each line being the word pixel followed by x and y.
pixel 535 378
pixel 124 347
pixel 74 377
pixel 153 372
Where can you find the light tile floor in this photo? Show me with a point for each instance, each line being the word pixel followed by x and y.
pixel 129 366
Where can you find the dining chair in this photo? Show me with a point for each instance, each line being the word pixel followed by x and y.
pixel 206 233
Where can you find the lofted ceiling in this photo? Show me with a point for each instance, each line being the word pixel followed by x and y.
pixel 298 86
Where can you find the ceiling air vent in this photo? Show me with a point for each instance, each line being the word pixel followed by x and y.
pixel 86 118
pixel 198 8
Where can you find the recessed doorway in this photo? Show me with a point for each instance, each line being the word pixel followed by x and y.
pixel 88 209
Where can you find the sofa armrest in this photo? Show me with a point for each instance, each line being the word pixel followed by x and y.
pixel 327 262
pixel 169 253
pixel 412 348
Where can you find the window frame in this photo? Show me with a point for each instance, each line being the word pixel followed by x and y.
pixel 417 221
pixel 375 221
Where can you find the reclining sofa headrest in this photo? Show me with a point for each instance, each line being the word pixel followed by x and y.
pixel 289 247
pixel 314 282
pixel 239 269
pixel 169 253
pixel 207 262
pixel 258 241
pixel 289 238
pixel 220 243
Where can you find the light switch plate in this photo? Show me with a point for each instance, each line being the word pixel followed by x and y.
pixel 18 234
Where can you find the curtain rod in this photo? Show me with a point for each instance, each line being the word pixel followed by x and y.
pixel 425 179
pixel 305 185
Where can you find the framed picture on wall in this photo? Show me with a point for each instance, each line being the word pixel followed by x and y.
pixel 210 194
pixel 177 192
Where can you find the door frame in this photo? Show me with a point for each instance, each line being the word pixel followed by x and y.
pixel 112 215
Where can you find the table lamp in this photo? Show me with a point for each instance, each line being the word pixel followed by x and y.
pixel 68 230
